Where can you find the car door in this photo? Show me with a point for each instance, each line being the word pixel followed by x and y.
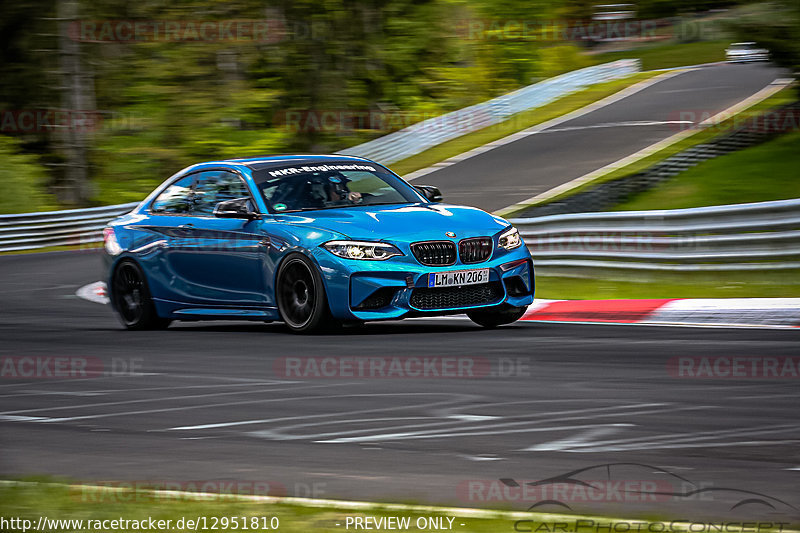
pixel 223 261
pixel 165 234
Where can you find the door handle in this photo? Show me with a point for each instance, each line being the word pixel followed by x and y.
pixel 186 226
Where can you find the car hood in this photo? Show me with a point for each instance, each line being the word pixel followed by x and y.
pixel 406 223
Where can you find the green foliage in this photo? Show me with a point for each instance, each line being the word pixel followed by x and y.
pixel 672 55
pixel 21 24
pixel 555 60
pixel 23 178
pixel 776 28
pixel 182 102
pixel 167 104
pixel 669 8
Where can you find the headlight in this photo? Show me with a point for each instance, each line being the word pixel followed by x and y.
pixel 110 242
pixel 510 239
pixel 368 251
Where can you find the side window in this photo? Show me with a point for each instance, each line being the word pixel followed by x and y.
pixel 211 188
pixel 175 199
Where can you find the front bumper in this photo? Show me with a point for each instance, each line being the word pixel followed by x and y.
pixel 746 58
pixel 381 290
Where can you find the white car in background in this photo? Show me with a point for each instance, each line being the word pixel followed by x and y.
pixel 747 51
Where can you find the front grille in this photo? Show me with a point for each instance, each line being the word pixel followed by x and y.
pixel 435 253
pixel 475 250
pixel 453 297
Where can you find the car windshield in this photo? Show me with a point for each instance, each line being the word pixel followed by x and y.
pixel 331 185
pixel 741 46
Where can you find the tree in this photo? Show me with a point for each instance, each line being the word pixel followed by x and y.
pixel 778 31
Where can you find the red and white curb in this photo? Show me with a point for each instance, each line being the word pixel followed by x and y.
pixel 699 312
pixel 723 312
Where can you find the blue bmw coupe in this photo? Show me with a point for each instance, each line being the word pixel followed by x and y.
pixel 314 241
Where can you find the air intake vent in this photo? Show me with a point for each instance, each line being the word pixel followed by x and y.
pixel 378 299
pixel 455 297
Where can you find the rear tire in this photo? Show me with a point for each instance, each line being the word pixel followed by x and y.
pixel 302 302
pixel 130 297
pixel 496 316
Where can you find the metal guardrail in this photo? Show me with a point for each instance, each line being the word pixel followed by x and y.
pixel 72 227
pixel 756 236
pixel 428 133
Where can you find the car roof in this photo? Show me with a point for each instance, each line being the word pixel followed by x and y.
pixel 274 161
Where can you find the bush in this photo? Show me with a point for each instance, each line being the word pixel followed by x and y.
pixel 22 179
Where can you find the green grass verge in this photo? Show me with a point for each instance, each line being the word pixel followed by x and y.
pixel 767 284
pixel 518 122
pixel 60 502
pixel 671 55
pixel 89 247
pixel 757 174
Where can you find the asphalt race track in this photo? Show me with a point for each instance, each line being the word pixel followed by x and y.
pixel 536 163
pixel 207 401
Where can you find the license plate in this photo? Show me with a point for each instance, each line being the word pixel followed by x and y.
pixel 458 277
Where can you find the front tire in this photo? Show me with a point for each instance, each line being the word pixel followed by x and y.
pixel 302 302
pixel 131 299
pixel 496 316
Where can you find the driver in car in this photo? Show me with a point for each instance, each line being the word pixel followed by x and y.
pixel 337 190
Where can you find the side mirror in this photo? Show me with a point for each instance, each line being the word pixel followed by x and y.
pixel 236 208
pixel 433 194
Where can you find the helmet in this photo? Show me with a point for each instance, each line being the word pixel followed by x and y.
pixel 336 187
